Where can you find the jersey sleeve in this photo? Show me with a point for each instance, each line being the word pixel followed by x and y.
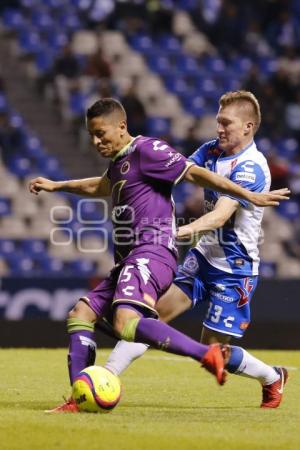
pixel 201 155
pixel 249 175
pixel 161 162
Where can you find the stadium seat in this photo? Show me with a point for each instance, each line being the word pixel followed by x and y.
pixel 5 206
pixel 34 248
pixel 158 126
pixel 84 267
pixel 12 18
pixel 20 166
pixel 7 247
pixel 290 210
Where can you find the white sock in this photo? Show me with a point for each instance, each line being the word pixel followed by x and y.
pixel 252 367
pixel 123 355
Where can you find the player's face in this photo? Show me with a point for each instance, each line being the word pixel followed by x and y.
pixel 233 130
pixel 107 134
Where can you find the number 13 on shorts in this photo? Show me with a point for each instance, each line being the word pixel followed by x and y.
pixel 214 315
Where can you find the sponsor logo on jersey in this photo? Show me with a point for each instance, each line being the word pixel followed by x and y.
pixel 245 176
pixel 222 297
pixel 244 325
pixel 239 262
pixel 220 287
pixel 125 167
pixel 248 166
pixel 175 157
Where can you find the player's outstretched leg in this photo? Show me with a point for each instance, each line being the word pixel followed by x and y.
pixel 123 355
pixel 271 378
pixel 161 336
pixel 82 353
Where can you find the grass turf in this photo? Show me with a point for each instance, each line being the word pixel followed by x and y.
pixel 168 403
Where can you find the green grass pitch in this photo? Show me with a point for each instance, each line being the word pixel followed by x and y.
pixel 168 403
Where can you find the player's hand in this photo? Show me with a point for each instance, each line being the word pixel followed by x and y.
pixel 42 184
pixel 186 232
pixel 272 198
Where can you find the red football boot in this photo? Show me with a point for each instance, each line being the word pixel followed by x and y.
pixel 215 359
pixel 272 393
pixel 69 406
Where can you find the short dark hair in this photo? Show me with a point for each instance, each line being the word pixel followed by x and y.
pixel 104 107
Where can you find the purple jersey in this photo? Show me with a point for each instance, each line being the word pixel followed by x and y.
pixel 142 176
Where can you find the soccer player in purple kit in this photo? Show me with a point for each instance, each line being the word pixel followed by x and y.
pixel 139 179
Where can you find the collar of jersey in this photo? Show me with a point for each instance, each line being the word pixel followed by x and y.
pixel 125 150
pixel 236 155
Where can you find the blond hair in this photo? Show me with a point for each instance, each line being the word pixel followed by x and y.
pixel 247 101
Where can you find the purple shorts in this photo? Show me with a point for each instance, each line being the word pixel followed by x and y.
pixel 138 283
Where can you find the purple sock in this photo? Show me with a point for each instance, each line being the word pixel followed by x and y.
pixel 162 336
pixel 82 352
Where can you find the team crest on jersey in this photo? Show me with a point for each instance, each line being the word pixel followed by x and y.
pixel 214 151
pixel 191 264
pixel 233 164
pixel 125 167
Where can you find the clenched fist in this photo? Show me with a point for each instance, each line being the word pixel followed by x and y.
pixel 42 184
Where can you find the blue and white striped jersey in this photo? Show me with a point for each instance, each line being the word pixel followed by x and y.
pixel 234 247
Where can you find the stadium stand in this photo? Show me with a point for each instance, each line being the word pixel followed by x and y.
pixel 168 62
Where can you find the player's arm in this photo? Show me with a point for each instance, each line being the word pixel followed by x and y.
pixel 224 208
pixel 88 187
pixel 211 180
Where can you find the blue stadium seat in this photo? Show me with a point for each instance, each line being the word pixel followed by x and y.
pixel 13 18
pixel 158 126
pixel 41 19
pixel 288 148
pixel 187 5
pixel 5 206
pixel 160 64
pixel 44 60
pixel 89 211
pixel 57 39
pixel 20 166
pixel 30 41
pixel 82 267
pixel 69 21
pixel 169 44
pixel 3 103
pixel 177 84
pixel 241 65
pixel 50 167
pixel 142 43
pixel 214 64
pixel 53 266
pixel 187 65
pixel 195 105
pixel 267 269
pixel 21 265
pixel 290 210
pixel 34 248
pixel 7 247
pixel 34 148
pixel 16 121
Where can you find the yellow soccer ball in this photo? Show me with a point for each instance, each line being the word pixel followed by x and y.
pixel 96 389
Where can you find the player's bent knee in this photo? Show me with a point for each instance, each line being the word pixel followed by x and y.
pixel 126 328
pixel 83 312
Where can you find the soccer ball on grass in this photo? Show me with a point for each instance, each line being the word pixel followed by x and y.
pixel 96 389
